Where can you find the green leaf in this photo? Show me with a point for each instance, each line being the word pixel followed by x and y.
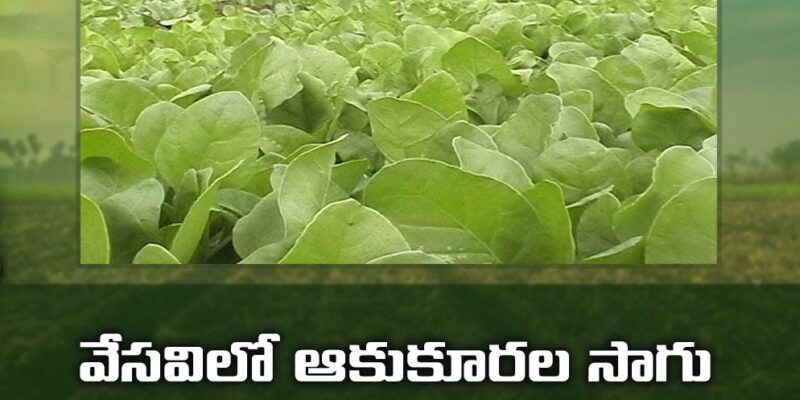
pixel 132 216
pixel 153 254
pixel 411 257
pixel 663 98
pixel 659 128
pixel 685 229
pixel 265 68
pixel 530 130
pixel 304 188
pixel 325 65
pixel 219 132
pixel 346 178
pixel 470 58
pixel 595 228
pixel 441 93
pixel 116 100
pixel 346 233
pixel 547 200
pixel 609 104
pixel 283 139
pixel 188 238
pixel 260 227
pixel 382 58
pixel 309 110
pixel 402 128
pixel 574 123
pixel 581 99
pixel 581 166
pixel 623 73
pixel 494 164
pixel 676 168
pixel 150 127
pixel 457 216
pixel 108 164
pixel 628 252
pixel 488 101
pixel 95 248
pixel 440 146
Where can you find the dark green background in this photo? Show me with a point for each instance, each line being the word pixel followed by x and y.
pixel 737 310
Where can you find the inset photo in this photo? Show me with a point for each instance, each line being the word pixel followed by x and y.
pixel 352 132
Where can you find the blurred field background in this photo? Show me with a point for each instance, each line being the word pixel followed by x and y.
pixel 760 203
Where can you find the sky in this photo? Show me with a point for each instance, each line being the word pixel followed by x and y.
pixel 38 69
pixel 760 74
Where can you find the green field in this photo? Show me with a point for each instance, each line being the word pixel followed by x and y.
pixel 37 192
pixel 761 192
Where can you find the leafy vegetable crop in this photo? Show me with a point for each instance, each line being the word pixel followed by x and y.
pixel 398 132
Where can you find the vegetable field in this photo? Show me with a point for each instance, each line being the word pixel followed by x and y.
pixel 398 132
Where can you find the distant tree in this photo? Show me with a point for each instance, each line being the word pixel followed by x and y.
pixel 34 145
pixel 734 162
pixel 57 150
pixel 19 153
pixel 786 157
pixel 6 148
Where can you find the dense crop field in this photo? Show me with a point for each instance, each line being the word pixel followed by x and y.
pixel 398 132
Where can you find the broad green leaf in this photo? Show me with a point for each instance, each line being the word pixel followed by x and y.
pixel 219 132
pixel 95 248
pixel 676 168
pixel 132 216
pixel 581 166
pixel 265 68
pixel 594 232
pixel 260 227
pixel 530 130
pixel 677 63
pixel 458 216
pixel 609 103
pixel 118 101
pixel 191 95
pixel 303 191
pixel 685 229
pixel 283 139
pixel 441 93
pixel 108 164
pixel 411 257
pixel 150 127
pixel 547 200
pixel 346 233
pixel 153 254
pixel 188 238
pixel 702 78
pixel 494 164
pixel 440 146
pixel 382 58
pixel 325 65
pixel 659 128
pixel 488 102
pixel 236 201
pixel 622 72
pixel 663 98
pixel 470 58
pixel 572 122
pixel 309 110
pixel 582 99
pixel 628 252
pixel 654 65
pixel 346 178
pixel 402 128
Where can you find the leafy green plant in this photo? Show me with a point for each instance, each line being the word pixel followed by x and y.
pixel 398 132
